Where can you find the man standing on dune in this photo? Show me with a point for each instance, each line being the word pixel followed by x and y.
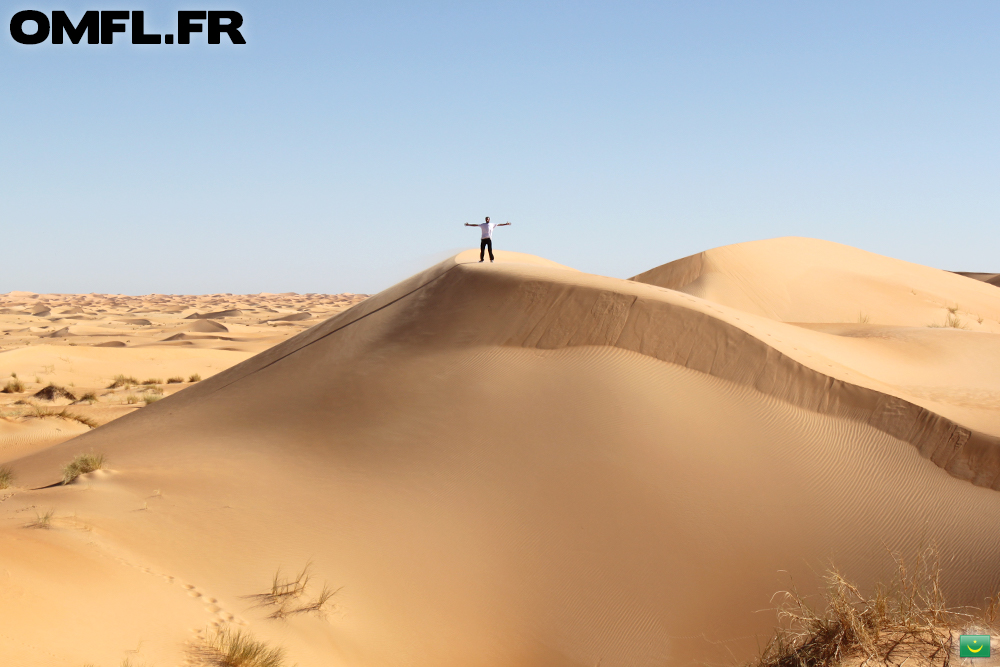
pixel 487 240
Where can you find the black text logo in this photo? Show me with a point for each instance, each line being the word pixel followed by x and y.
pixel 100 27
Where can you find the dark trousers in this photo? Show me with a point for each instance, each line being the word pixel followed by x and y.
pixel 483 245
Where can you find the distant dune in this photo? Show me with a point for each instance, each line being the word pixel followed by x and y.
pixel 523 464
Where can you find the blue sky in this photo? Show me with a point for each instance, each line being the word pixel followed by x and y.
pixel 345 145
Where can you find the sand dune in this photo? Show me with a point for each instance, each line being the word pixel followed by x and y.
pixel 58 347
pixel 522 464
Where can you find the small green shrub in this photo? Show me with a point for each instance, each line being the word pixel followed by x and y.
pixel 81 465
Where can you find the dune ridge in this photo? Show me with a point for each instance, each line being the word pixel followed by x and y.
pixel 537 306
pixel 513 464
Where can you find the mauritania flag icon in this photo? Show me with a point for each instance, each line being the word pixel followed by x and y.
pixel 974 646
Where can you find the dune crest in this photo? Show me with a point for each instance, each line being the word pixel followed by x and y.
pixel 516 464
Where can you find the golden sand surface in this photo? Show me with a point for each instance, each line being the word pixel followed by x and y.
pixel 520 464
pixel 159 343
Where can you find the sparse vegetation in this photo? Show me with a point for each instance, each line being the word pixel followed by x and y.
pixel 238 648
pixel 81 465
pixel 41 520
pixel 125 381
pixel 152 381
pixel 52 392
pixel 863 318
pixel 42 413
pixel 194 378
pixel 907 619
pixel 6 477
pixel 89 397
pixel 287 595
pixel 175 380
pixel 951 321
pixel 131 399
pixel 151 398
pixel 13 386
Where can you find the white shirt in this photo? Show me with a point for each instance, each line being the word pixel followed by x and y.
pixel 487 228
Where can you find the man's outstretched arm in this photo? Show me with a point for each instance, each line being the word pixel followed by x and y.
pixel 504 224
pixel 469 224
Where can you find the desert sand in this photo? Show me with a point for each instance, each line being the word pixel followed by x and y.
pixel 523 464
pixel 82 342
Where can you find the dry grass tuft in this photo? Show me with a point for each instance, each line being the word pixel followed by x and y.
pixel 125 381
pixel 89 397
pixel 238 648
pixel 72 416
pixel 42 413
pixel 151 398
pixel 131 399
pixel 6 477
pixel 41 520
pixel 951 321
pixel 13 386
pixel 863 318
pixel 194 378
pixel 152 381
pixel 904 621
pixel 287 595
pixel 175 380
pixel 81 465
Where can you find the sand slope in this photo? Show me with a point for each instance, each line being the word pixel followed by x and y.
pixel 82 341
pixel 508 464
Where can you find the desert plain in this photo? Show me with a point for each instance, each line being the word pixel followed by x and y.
pixel 494 464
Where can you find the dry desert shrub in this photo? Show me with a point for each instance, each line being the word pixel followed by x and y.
pixel 239 648
pixel 131 399
pixel 13 386
pixel 151 398
pixel 194 378
pixel 951 321
pixel 89 397
pixel 904 621
pixel 51 392
pixel 41 520
pixel 81 465
pixel 123 381
pixel 152 381
pixel 175 380
pixel 42 413
pixel 287 595
pixel 6 477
